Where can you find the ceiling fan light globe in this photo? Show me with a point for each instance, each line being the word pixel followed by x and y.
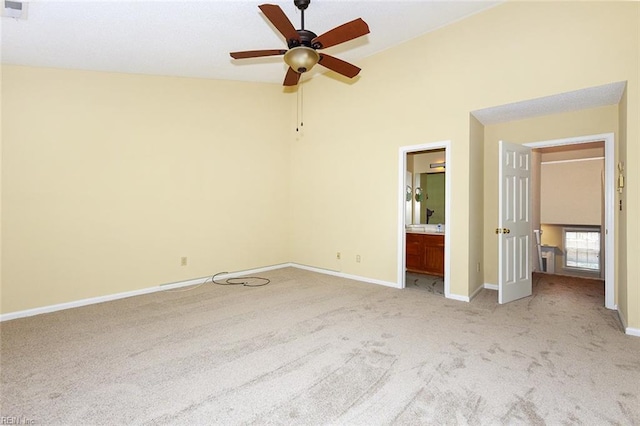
pixel 301 58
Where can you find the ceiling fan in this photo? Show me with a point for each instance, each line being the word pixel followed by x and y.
pixel 303 44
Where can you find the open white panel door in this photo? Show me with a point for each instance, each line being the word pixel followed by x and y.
pixel 515 228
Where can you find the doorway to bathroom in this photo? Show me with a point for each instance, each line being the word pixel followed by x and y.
pixel 424 214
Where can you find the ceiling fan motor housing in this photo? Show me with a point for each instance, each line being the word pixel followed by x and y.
pixel 305 40
pixel 302 55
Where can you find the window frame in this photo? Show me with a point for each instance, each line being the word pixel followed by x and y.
pixel 593 229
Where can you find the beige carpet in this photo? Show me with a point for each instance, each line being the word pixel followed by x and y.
pixel 430 283
pixel 314 349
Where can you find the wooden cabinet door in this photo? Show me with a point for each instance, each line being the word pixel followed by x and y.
pixel 425 253
pixel 415 253
pixel 434 254
pixel 434 260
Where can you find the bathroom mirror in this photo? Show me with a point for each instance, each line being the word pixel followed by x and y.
pixel 426 177
pixel 432 205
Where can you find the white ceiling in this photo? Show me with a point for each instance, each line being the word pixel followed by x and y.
pixel 194 38
pixel 590 97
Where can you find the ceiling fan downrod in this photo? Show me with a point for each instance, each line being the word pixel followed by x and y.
pixel 302 5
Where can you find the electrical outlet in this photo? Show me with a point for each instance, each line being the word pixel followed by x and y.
pixel 478 267
pixel 338 255
pixel 183 261
pixel 358 258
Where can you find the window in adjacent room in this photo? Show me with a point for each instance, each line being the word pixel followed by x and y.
pixel 582 248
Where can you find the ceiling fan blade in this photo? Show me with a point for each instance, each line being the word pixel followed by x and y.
pixel 344 32
pixel 292 78
pixel 276 16
pixel 338 65
pixel 257 53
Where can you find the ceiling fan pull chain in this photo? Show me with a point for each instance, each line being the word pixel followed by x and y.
pixel 299 107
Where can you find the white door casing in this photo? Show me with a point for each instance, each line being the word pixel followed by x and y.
pixel 609 203
pixel 514 228
pixel 402 179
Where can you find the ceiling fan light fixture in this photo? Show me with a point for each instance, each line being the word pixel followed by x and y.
pixel 301 55
pixel 301 59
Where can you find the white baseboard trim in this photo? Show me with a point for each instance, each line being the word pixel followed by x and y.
pixel 464 298
pixel 226 275
pixel 628 330
pixel 89 301
pixel 476 292
pixel 622 320
pixel 371 280
pixel 457 297
pixel 632 331
pixel 116 296
pixel 343 275
pixel 491 286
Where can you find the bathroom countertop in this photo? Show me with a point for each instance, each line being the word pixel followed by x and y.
pixel 425 228
pixel 420 231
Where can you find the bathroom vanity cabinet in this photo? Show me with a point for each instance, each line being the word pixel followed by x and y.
pixel 425 253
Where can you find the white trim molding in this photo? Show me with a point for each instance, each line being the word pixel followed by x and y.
pixel 200 281
pixel 458 297
pixel 95 300
pixel 402 184
pixel 226 275
pixel 628 330
pixel 343 275
pixel 126 294
pixel 609 202
pixel 476 292
pixel 632 331
pixel 180 284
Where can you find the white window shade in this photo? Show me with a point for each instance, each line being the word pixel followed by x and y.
pixel 571 192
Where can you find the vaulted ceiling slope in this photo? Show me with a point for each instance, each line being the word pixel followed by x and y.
pixel 194 38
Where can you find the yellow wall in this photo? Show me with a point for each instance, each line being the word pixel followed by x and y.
pixel 422 161
pixel 423 91
pixel 476 202
pixel 628 305
pixel 183 150
pixel 574 154
pixel 109 179
pixel 1 185
pixel 578 123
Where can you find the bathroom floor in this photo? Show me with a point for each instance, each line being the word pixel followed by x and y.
pixel 430 283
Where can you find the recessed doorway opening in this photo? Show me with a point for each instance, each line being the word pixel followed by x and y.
pixel 608 185
pixel 424 217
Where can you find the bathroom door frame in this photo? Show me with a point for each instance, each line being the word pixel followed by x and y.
pixel 402 185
